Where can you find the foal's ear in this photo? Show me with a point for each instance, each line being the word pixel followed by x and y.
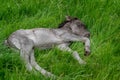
pixel 68 18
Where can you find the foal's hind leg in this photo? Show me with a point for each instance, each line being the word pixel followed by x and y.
pixel 26 48
pixel 38 68
pixel 25 57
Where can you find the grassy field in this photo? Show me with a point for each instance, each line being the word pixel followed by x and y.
pixel 102 18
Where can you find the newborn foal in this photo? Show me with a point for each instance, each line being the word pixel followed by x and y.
pixel 72 29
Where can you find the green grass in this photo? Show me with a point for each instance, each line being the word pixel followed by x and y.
pixel 102 18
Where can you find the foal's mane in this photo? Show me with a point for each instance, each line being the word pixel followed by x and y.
pixel 66 21
pixel 63 23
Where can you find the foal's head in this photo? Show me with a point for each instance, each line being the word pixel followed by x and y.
pixel 76 26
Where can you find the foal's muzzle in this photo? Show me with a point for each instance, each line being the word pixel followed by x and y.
pixel 87 35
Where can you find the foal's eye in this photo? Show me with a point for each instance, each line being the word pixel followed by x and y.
pixel 79 24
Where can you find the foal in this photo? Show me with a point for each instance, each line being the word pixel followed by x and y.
pixel 72 29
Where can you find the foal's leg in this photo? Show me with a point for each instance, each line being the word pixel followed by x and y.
pixel 72 37
pixel 38 68
pixel 25 50
pixel 25 57
pixel 64 47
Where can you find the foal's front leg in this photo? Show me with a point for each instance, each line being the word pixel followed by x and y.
pixel 87 46
pixel 73 37
pixel 75 54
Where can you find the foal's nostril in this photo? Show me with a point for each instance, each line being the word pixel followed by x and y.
pixel 87 35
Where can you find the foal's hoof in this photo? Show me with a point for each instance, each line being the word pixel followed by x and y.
pixel 50 75
pixel 87 53
pixel 82 62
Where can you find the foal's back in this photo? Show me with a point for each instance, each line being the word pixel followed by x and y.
pixel 40 37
